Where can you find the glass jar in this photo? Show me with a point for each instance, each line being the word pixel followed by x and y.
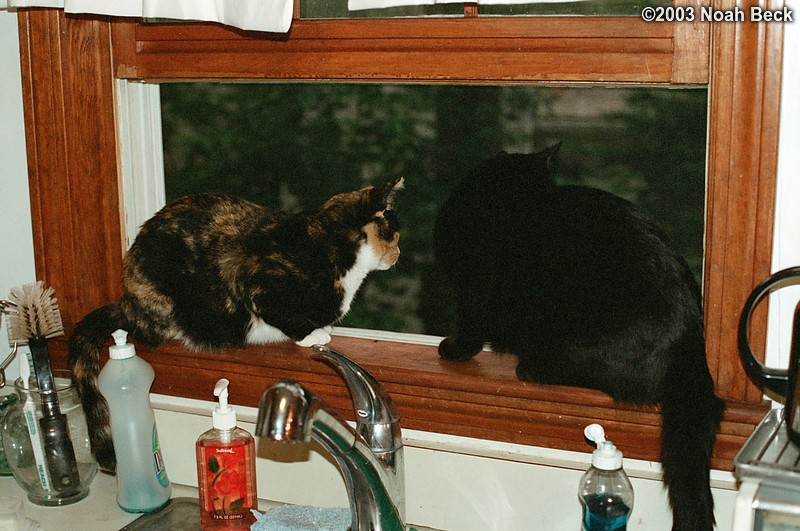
pixel 6 401
pixel 26 454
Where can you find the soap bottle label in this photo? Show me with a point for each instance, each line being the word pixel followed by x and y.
pixel 226 479
pixel 158 461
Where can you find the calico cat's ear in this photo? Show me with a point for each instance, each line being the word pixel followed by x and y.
pixel 550 157
pixel 390 192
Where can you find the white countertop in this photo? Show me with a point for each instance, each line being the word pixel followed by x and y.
pixel 98 511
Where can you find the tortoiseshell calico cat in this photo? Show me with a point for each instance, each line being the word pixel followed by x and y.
pixel 217 271
pixel 585 289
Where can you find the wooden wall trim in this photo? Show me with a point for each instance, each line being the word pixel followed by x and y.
pixel 70 133
pixel 690 62
pixel 744 96
pixel 476 49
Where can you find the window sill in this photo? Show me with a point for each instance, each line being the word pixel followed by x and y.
pixel 481 398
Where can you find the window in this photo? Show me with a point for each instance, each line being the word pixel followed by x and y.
pixel 291 146
pixel 327 9
pixel 69 103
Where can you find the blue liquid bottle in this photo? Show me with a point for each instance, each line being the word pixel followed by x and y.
pixel 605 492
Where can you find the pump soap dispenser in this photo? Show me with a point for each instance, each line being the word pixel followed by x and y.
pixel 605 492
pixel 226 469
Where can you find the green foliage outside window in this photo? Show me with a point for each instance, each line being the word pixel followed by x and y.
pixel 291 146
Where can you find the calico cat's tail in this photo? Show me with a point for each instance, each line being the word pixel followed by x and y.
pixel 85 343
pixel 691 415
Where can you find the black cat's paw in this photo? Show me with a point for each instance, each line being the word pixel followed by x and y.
pixel 454 348
pixel 526 373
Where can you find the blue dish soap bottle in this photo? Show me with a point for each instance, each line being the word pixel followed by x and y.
pixel 142 482
pixel 605 492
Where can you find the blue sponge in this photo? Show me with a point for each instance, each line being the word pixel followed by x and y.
pixel 303 518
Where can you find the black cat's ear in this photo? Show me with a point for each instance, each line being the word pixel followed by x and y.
pixel 390 192
pixel 550 157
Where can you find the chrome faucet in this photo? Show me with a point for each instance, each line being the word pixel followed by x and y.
pixel 370 456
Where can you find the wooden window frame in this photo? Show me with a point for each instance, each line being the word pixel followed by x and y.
pixel 453 50
pixel 69 66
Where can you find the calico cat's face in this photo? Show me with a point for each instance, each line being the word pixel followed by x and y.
pixel 371 208
pixel 383 239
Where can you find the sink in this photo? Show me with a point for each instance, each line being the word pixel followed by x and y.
pixel 180 514
pixel 183 514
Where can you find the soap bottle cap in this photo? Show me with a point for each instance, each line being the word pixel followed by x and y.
pixel 121 349
pixel 607 456
pixel 223 417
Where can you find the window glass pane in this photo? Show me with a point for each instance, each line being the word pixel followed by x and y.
pixel 291 146
pixel 325 9
pixel 593 7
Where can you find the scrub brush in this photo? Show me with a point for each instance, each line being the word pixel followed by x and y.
pixel 33 318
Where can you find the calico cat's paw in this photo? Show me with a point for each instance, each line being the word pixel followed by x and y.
pixel 454 348
pixel 320 336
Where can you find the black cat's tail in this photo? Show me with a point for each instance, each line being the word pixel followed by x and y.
pixel 85 343
pixel 691 415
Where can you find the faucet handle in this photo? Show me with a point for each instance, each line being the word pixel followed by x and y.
pixel 377 419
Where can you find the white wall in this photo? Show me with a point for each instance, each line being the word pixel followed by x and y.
pixel 463 491
pixel 786 248
pixel 16 237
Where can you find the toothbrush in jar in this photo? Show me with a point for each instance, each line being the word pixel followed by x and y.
pixel 33 320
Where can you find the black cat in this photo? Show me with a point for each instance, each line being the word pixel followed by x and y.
pixel 216 271
pixel 586 290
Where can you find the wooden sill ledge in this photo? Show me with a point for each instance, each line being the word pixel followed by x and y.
pixel 481 398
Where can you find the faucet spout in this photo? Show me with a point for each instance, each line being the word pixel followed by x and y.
pixel 288 412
